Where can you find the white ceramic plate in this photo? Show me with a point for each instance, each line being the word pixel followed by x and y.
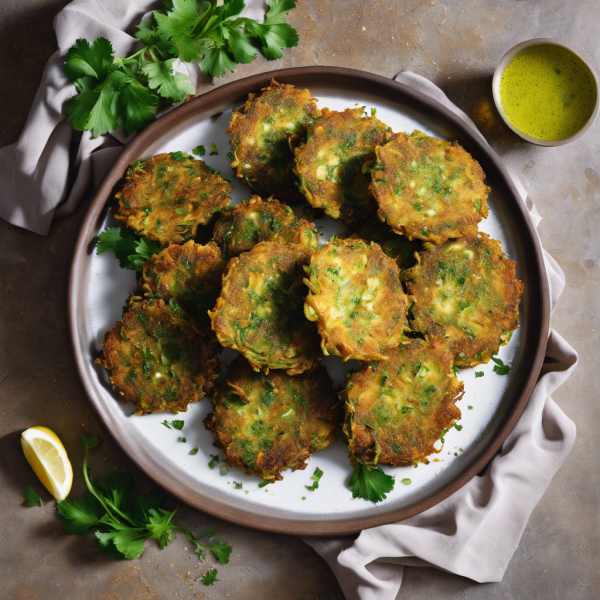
pixel 101 290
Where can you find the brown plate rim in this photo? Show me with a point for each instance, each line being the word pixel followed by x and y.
pixel 226 94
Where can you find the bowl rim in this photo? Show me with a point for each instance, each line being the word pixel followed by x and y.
pixel 501 67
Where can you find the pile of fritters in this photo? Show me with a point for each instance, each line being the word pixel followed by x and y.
pixel 411 289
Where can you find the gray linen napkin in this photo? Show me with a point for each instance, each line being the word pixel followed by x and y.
pixel 473 533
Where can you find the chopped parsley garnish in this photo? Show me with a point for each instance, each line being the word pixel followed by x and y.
pixel 166 424
pixel 213 150
pixel 193 451
pixel 230 155
pixel 182 439
pixel 370 483
pixel 263 483
pixel 479 373
pixel 199 150
pixel 237 485
pixel 456 369
pixel 458 427
pixel 316 478
pixel 215 116
pixel 407 481
pixel 214 460
pixel 122 519
pixel 209 577
pixel 32 498
pixel 174 305
pixel 178 424
pixel 470 407
pixel 500 368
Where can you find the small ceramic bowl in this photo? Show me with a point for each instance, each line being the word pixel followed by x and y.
pixel 504 62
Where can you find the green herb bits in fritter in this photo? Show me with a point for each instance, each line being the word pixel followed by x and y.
pixel 397 409
pixel 427 188
pixel 267 423
pixel 188 275
pixel 260 309
pixel 466 292
pixel 240 228
pixel 159 359
pixel 261 131
pixel 356 299
pixel 168 196
pixel 331 163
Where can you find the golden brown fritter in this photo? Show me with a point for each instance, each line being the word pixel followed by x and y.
pixel 240 228
pixel 396 246
pixel 397 409
pixel 427 188
pixel 357 300
pixel 269 423
pixel 466 291
pixel 190 275
pixel 166 197
pixel 158 359
pixel 260 309
pixel 261 131
pixel 330 163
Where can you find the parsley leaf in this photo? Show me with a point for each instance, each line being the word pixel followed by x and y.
pixel 123 520
pixel 193 451
pixel 131 251
pixel 370 483
pixel 455 369
pixel 501 368
pixel 32 498
pixel 161 77
pixel 199 150
pixel 178 424
pixel 479 374
pixel 213 461
pixel 209 577
pixel 316 478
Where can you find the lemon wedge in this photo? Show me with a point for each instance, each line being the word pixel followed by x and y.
pixel 48 459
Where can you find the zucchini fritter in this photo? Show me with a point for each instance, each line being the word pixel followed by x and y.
pixel 357 300
pixel 261 131
pixel 240 228
pixel 269 423
pixel 191 274
pixel 166 197
pixel 160 360
pixel 260 309
pixel 397 409
pixel 330 163
pixel 427 188
pixel 466 291
pixel 396 246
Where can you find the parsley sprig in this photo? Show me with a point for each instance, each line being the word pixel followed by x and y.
pixel 113 90
pixel 123 520
pixel 370 483
pixel 32 498
pixel 131 251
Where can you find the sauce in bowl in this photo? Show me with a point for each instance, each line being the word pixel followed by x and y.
pixel 547 92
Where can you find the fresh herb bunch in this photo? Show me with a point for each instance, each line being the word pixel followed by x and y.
pixel 113 90
pixel 123 520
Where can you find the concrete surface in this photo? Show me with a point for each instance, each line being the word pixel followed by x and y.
pixel 457 44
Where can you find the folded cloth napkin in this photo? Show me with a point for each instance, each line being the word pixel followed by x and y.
pixel 474 532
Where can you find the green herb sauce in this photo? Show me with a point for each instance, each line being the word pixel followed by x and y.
pixel 547 92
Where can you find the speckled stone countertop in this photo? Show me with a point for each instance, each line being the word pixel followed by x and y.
pixel 456 44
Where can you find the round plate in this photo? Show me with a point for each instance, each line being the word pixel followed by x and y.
pixel 491 406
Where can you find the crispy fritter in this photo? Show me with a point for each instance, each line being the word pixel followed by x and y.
pixel 466 291
pixel 260 309
pixel 160 360
pixel 269 423
pixel 427 188
pixel 396 246
pixel 330 163
pixel 397 409
pixel 166 197
pixel 357 300
pixel 242 227
pixel 261 131
pixel 190 274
